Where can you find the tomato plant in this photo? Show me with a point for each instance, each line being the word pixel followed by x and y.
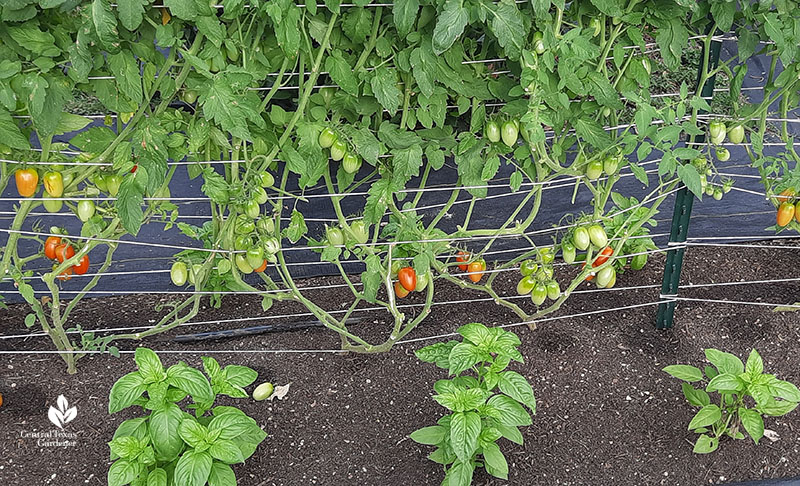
pixel 407 93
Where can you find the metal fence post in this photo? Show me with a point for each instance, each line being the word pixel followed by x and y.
pixel 681 215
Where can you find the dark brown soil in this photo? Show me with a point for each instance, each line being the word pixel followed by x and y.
pixel 607 413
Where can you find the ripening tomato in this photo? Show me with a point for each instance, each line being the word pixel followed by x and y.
pixel 82 266
pixel 255 256
pixel 475 270
pixel 64 252
pixel 27 180
pixel 492 131
pixel 603 256
pixel 786 195
pixel 580 238
pixel 326 138
pixel 261 268
pixel 785 213
pixel 408 278
pixel 463 257
pixel 53 184
pixel 591 274
pixel 50 245
pixel 797 211
pixel 400 291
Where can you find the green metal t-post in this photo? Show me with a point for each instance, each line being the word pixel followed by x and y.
pixel 681 215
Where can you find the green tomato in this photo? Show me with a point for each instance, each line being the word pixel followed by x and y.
pixel 568 252
pixel 244 225
pixel 581 238
pixel 546 254
pixel 242 242
pixel 99 180
pixel 194 272
pixel 595 26
pixel 326 138
pixel 263 391
pixel 113 181
pixel 189 96
pixel 717 132
pixel 723 154
pixel 594 169
pixel 736 134
pixel 266 179
pixel 598 236
pixel 396 266
pixel 422 282
pixel 492 131
pixel 538 43
pixel 52 205
pixel 539 294
pixel 351 163
pixel 242 265
pixel 179 273
pixel 260 195
pixel 510 133
pixel 266 225
pixel 338 149
pixel 547 272
pixel 252 209
pixel 360 231
pixel 272 245
pixel 717 193
pixel 526 285
pixel 86 209
pixel 335 236
pixel 528 267
pixel 553 290
pixel 255 256
pixel 611 164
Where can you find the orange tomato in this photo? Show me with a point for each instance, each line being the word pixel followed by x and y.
pixel 785 213
pixel 786 195
pixel 27 180
pixel 262 267
pixel 476 269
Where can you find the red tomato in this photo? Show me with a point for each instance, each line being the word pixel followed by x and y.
pixel 590 277
pixel 407 278
pixel 262 267
pixel 65 275
pixel 64 252
pixel 50 246
pixel 82 266
pixel 463 257
pixel 603 257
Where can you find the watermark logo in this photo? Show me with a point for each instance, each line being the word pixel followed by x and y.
pixel 62 415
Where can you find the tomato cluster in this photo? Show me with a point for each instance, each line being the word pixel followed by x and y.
pixel 537 277
pixel 505 130
pixel 55 248
pixel 474 268
pixel 408 280
pixel 339 151
pixel 356 233
pixel 593 238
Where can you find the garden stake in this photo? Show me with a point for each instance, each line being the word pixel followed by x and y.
pixel 682 213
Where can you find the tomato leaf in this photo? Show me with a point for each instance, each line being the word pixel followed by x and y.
pixel 384 87
pixel 130 13
pixel 297 227
pixel 341 72
pixel 405 14
pixel 507 25
pixel 449 26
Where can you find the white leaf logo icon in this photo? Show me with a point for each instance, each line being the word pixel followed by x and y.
pixel 63 414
